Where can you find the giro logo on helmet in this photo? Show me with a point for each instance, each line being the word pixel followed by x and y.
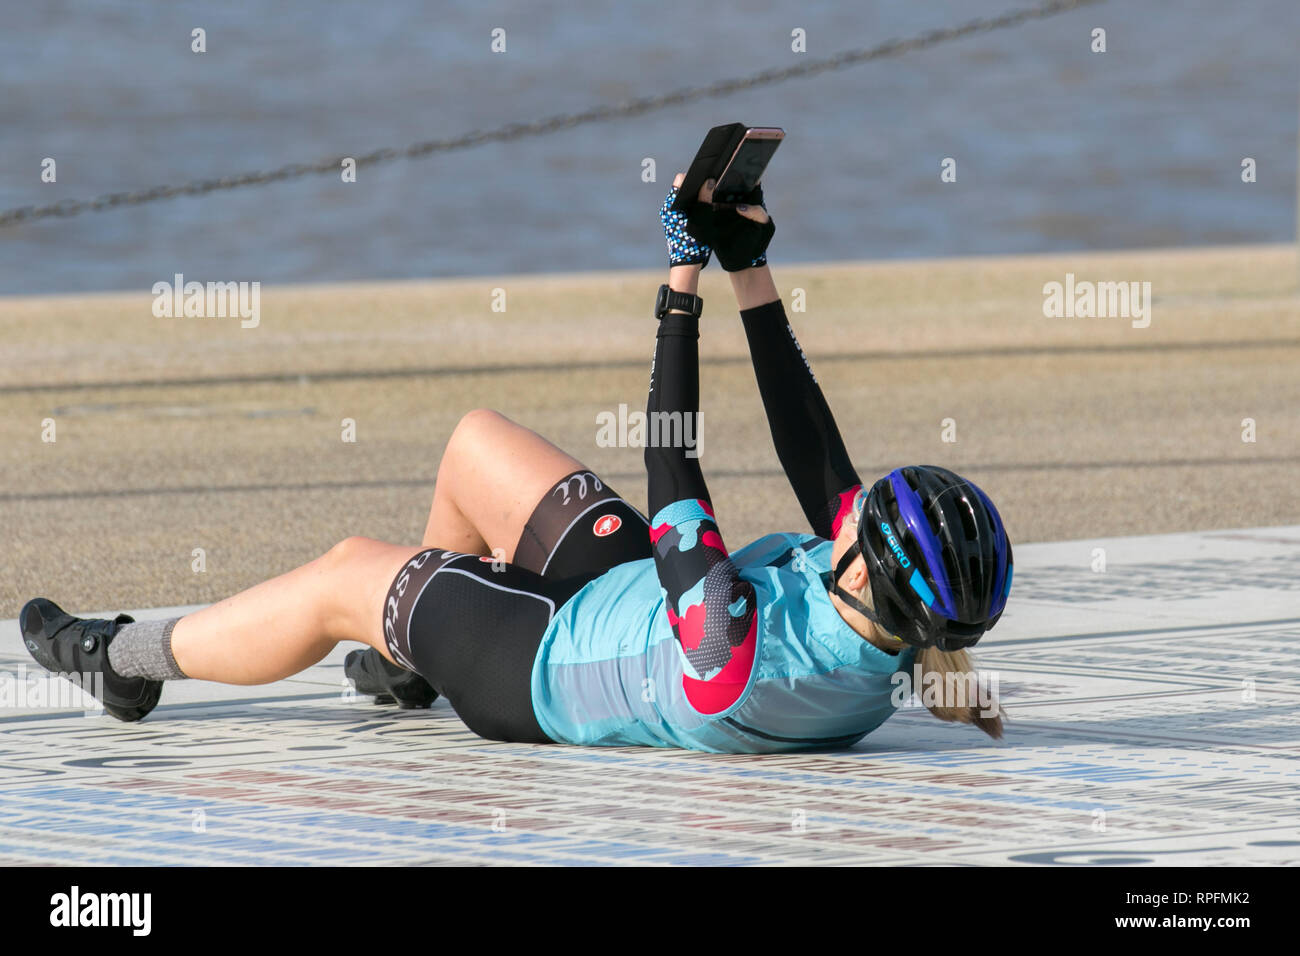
pixel 606 525
pixel 894 546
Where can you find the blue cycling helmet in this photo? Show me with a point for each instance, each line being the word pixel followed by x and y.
pixel 938 559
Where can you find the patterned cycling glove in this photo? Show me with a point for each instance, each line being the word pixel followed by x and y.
pixel 683 248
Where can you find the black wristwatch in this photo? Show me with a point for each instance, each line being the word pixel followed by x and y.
pixel 670 299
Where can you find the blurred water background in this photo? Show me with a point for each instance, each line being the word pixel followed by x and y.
pixel 1057 147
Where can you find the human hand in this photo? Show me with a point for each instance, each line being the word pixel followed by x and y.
pixel 738 232
pixel 684 249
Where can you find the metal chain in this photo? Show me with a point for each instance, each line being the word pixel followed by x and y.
pixel 550 124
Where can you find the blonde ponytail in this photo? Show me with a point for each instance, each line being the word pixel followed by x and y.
pixel 963 697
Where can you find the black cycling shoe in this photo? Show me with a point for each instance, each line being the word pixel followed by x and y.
pixel 71 645
pixel 372 674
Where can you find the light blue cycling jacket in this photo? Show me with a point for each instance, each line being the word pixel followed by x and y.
pixel 609 670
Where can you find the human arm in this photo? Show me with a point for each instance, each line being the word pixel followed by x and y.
pixel 807 440
pixel 711 609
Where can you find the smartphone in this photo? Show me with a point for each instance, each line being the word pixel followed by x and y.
pixel 736 156
pixel 745 168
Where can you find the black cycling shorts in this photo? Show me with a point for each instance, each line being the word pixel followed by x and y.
pixel 471 626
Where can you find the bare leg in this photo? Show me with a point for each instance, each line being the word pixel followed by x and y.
pixel 491 477
pixel 283 626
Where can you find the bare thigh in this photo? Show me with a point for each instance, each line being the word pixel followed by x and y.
pixel 283 626
pixel 493 474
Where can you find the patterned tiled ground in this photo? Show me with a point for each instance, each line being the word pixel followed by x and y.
pixel 1153 717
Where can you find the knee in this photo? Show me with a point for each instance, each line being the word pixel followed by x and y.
pixel 348 551
pixel 476 427
pixel 478 420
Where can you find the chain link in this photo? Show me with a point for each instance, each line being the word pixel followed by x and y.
pixel 551 124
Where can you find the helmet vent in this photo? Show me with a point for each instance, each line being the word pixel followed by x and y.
pixel 935 517
pixel 895 518
pixel 875 540
pixel 951 567
pixel 968 518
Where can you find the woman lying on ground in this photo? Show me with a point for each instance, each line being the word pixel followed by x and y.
pixel 546 608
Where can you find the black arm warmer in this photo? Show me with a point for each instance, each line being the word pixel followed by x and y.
pixel 672 412
pixel 807 441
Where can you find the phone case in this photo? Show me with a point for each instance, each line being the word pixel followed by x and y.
pixel 709 162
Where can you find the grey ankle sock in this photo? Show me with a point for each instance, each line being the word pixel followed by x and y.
pixel 144 649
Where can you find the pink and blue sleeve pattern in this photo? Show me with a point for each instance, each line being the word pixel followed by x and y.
pixel 710 607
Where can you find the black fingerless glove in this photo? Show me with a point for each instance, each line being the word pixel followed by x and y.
pixel 738 242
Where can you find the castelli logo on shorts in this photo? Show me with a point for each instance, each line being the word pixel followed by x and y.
pixel 606 525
